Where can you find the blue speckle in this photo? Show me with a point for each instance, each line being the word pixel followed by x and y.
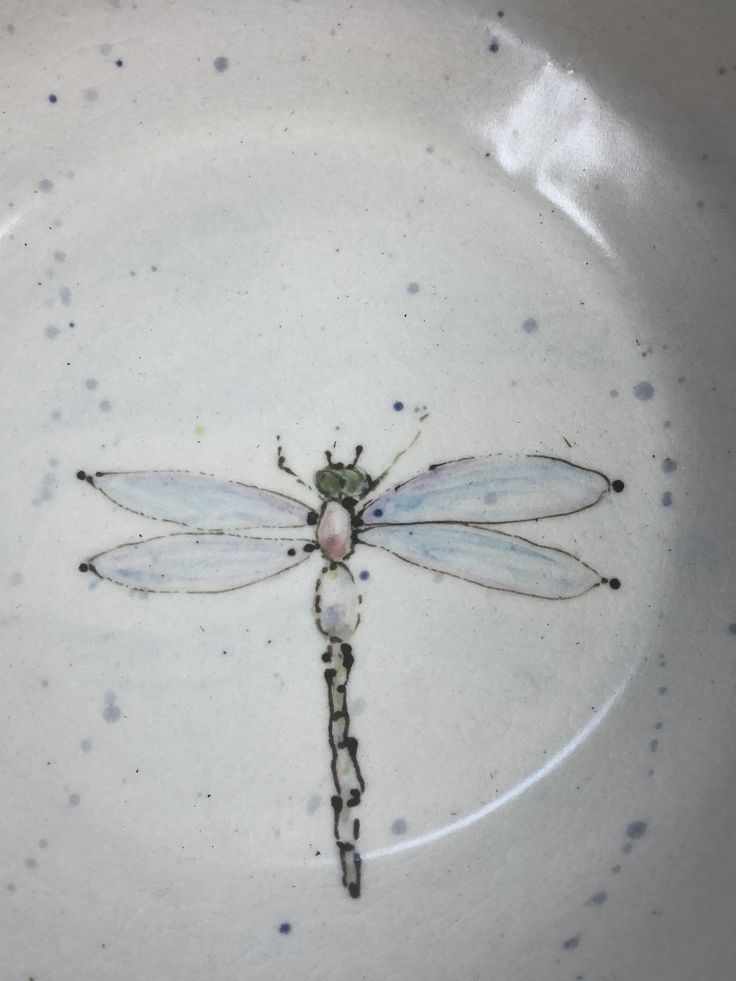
pixel 530 325
pixel 669 465
pixel 493 47
pixel 414 287
pixel 52 98
pixel 364 575
pixel 644 391
pixel 378 513
pixel 285 928
pixel 398 406
pixel 221 64
pixel 636 829
pixel 667 499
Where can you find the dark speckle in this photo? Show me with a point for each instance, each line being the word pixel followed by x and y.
pixel 105 49
pixel 571 943
pixel 52 97
pixel 104 406
pixel 65 294
pixel 721 70
pixel 46 185
pixel 615 869
pixel 285 928
pixel 42 843
pixel 31 863
pixel 51 331
pixel 365 575
pixel 613 393
pixel 636 830
pixel 669 465
pixel 91 384
pixel 493 47
pixel 654 745
pixel 500 13
pixel 74 800
pixel 644 391
pixel 91 95
pixel 662 690
pixel 119 63
pixel 398 406
pixel 85 746
pixel 530 325
pixel 667 499
pixel 399 826
pixel 732 628
pixel 10 886
pixel 60 256
pixel 412 288
pixel 221 63
pixel 598 899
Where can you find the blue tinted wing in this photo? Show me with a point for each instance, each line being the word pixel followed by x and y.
pixel 194 563
pixel 198 501
pixel 488 558
pixel 490 490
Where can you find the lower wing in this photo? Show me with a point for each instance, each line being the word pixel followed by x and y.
pixel 489 558
pixel 196 563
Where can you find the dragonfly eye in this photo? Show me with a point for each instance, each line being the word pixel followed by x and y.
pixel 357 482
pixel 330 483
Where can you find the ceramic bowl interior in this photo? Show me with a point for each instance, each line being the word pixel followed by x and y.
pixel 507 231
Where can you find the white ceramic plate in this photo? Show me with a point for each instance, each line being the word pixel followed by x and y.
pixel 327 221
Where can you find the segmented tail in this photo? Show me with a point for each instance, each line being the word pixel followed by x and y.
pixel 337 614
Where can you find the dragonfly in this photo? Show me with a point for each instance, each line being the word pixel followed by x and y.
pixel 445 520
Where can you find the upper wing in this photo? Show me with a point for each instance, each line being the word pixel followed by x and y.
pixel 192 563
pixel 490 489
pixel 489 558
pixel 199 501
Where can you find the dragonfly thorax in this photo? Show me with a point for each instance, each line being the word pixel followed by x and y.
pixel 335 531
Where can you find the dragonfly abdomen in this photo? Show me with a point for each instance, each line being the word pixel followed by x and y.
pixel 337 613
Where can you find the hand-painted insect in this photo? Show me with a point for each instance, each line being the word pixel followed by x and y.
pixel 438 520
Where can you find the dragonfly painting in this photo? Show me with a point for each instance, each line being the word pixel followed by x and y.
pixel 445 520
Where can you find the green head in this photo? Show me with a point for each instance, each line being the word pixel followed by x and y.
pixel 339 481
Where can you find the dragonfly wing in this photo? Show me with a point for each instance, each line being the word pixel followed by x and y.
pixel 490 489
pixel 199 501
pixel 193 563
pixel 490 558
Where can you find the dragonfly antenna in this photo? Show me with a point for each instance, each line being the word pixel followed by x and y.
pixel 389 468
pixel 282 464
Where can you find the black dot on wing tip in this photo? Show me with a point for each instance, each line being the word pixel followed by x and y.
pixel 81 475
pixel 83 567
pixel 312 518
pixel 291 551
pixel 618 485
pixel 614 583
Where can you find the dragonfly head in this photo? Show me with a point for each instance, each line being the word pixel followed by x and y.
pixel 340 481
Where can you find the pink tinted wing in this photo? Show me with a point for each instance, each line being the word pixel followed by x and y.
pixel 490 490
pixel 489 558
pixel 199 501
pixel 196 563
